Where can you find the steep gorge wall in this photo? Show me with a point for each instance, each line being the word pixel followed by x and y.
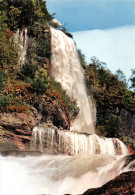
pixel 128 123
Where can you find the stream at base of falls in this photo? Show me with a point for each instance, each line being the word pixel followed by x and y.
pixel 58 174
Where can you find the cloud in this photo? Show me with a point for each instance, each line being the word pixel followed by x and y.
pixel 92 14
pixel 116 47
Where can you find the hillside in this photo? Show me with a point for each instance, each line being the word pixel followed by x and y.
pixel 115 102
pixel 30 96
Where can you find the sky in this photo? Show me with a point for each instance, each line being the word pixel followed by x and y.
pixel 101 28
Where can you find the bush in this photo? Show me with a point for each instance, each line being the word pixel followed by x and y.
pixel 70 103
pixel 4 102
pixel 3 80
pixel 28 70
pixel 43 48
pixel 38 86
pixel 41 82
pixel 113 125
pixel 129 101
pixel 8 54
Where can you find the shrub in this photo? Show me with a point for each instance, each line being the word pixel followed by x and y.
pixel 70 103
pixel 4 102
pixel 38 86
pixel 40 82
pixel 113 125
pixel 28 70
pixel 3 80
pixel 43 48
pixel 129 101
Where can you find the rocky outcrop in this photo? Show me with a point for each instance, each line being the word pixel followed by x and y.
pixel 16 129
pixel 52 111
pixel 128 123
pixel 123 184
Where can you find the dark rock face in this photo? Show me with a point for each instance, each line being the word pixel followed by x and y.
pixel 16 129
pixel 123 184
pixel 128 123
pixel 52 111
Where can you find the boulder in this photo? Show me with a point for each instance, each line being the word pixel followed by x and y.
pixel 123 184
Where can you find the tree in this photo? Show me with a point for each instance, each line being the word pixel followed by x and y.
pixel 3 80
pixel 13 17
pixel 3 24
pixel 23 13
pixel 121 77
pixel 82 59
pixel 132 79
pixel 113 124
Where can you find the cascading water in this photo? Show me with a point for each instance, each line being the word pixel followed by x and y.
pixel 48 140
pixel 95 160
pixel 57 174
pixel 66 69
pixel 21 39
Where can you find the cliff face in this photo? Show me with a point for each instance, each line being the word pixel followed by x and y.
pixel 128 123
pixel 32 46
pixel 16 128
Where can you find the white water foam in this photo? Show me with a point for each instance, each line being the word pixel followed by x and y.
pixel 46 139
pixel 66 69
pixel 56 174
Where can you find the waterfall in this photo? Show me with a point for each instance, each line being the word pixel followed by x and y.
pixel 83 159
pixel 48 140
pixel 67 70
pixel 59 174
pixel 21 39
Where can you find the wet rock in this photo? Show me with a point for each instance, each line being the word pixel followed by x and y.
pixel 123 184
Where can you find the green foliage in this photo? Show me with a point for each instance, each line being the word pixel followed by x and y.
pixel 13 17
pixel 132 80
pixel 4 102
pixel 40 11
pixel 8 54
pixel 17 101
pixel 82 59
pixel 9 103
pixel 106 87
pixel 113 124
pixel 43 48
pixel 28 70
pixel 70 103
pixel 121 77
pixel 40 83
pixel 128 100
pixel 3 80
pixel 38 86
pixel 33 14
pixel 111 95
pixel 128 141
pixel 3 24
pixel 22 13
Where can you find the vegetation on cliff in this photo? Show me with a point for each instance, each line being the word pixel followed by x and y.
pixel 23 84
pixel 110 94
